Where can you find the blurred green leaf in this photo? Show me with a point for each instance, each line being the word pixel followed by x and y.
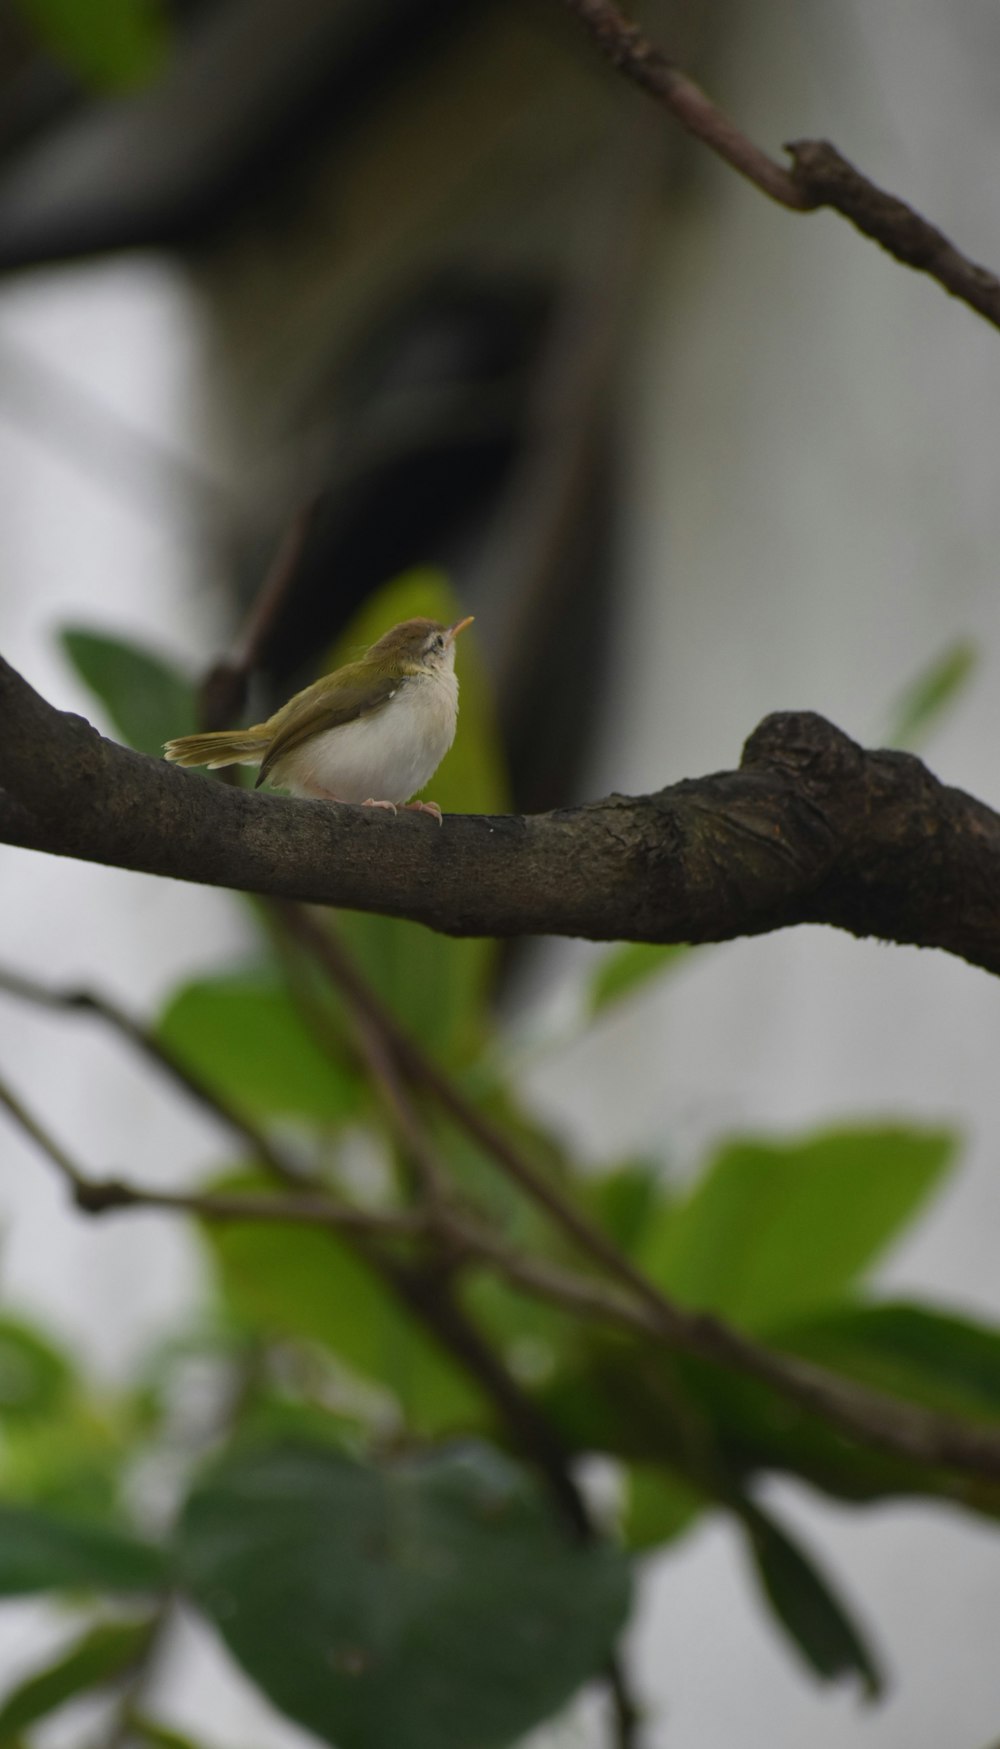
pixel 147 1733
pixel 624 1396
pixel 41 1551
pixel 299 1282
pixel 436 985
pixel 116 43
pixel 533 1338
pixel 429 1604
pixel 270 1419
pixel 628 1201
pixel 925 1356
pixel 70 1460
pixel 807 1607
pixel 147 700
pixel 35 1378
pixel 207 1350
pixel 931 694
pixel 476 1172
pixel 626 969
pixel 771 1230
pixel 658 1506
pixel 98 1657
pixel 243 1034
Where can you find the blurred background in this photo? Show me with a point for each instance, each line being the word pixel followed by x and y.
pixel 688 459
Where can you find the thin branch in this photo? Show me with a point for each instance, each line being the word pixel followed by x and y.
pixel 820 176
pixel 632 53
pixel 378 1058
pixel 145 1041
pixel 223 691
pixel 329 952
pixel 833 182
pixel 810 829
pixel 883 1422
pixel 429 1292
pixel 880 1422
pixel 121 1729
pixel 873 1419
pixel 99 1195
pixel 46 1143
pixel 430 1298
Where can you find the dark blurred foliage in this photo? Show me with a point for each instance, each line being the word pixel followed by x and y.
pixel 458 411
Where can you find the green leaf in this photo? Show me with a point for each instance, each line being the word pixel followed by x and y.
pixel 113 43
pixel 147 1733
pixel 628 1201
pixel 34 1377
pixel 242 1033
pixel 931 694
pixel 942 1361
pixel 299 1282
pixel 772 1230
pixel 437 986
pixel 626 969
pixel 433 1603
pixel 626 1397
pixel 807 1607
pixel 40 1551
pixel 69 1460
pixel 658 1506
pixel 98 1657
pixel 268 1418
pixel 146 699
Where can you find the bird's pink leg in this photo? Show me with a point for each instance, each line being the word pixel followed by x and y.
pixel 371 803
pixel 424 808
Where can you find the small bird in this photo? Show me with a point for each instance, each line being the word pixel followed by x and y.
pixel 374 731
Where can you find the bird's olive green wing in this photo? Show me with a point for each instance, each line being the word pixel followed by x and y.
pixel 324 706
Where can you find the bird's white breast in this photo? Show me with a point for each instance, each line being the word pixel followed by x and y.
pixel 387 756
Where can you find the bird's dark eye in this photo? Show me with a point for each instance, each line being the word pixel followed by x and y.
pixel 437 642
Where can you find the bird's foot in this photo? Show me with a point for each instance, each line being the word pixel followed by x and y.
pixel 424 808
pixel 372 803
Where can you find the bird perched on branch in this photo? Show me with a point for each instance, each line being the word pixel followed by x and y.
pixel 374 731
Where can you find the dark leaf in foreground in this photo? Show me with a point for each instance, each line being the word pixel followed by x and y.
pixel 101 1655
pixel 807 1607
pixel 433 1603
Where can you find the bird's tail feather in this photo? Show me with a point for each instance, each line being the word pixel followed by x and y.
pixel 222 747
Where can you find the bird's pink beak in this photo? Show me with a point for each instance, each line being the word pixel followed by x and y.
pixel 459 626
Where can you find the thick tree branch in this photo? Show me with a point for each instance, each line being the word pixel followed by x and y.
pixel 819 177
pixel 810 829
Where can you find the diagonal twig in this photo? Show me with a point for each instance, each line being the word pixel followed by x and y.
pixel 820 176
pixel 880 1421
pixel 145 1041
pixel 100 1195
pixel 222 694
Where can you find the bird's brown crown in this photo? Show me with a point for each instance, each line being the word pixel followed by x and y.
pixel 408 638
pixel 413 647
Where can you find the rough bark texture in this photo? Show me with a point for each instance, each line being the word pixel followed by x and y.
pixel 810 829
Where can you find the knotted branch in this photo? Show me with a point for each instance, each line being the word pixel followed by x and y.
pixel 809 829
pixel 819 176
